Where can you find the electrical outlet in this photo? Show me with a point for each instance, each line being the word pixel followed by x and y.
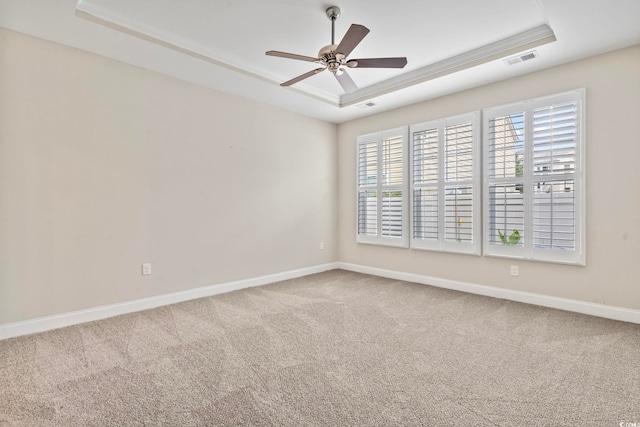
pixel 146 269
pixel 321 246
pixel 514 270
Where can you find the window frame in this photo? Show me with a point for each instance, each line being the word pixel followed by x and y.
pixel 528 251
pixel 380 188
pixel 441 244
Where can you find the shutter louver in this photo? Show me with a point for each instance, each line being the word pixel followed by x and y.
pixel 506 146
pixel 392 213
pixel 458 214
pixel 367 213
pixel 507 215
pixel 367 163
pixel 554 215
pixel 554 140
pixel 459 152
pixel 425 157
pixel 425 213
pixel 392 161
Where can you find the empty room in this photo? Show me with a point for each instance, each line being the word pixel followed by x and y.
pixel 308 213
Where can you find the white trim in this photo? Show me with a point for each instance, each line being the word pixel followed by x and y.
pixel 593 309
pixel 103 17
pixel 542 11
pixel 41 324
pixel 521 42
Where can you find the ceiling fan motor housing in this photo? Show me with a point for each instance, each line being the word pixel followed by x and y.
pixel 327 51
pixel 332 59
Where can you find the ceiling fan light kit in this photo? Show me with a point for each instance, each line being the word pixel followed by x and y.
pixel 333 57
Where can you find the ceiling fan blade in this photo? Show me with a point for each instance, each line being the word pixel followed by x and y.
pixel 292 56
pixel 346 82
pixel 377 63
pixel 354 36
pixel 302 77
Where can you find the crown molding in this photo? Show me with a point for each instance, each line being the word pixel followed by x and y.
pixel 102 17
pixel 526 40
pixel 529 39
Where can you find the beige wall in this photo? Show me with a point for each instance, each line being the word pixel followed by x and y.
pixel 104 166
pixel 612 274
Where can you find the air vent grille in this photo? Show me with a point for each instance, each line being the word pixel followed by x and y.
pixel 521 58
pixel 366 105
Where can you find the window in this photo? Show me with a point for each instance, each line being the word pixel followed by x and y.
pixel 382 182
pixel 445 184
pixel 533 193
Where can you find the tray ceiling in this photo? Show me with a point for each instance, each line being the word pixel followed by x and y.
pixel 450 46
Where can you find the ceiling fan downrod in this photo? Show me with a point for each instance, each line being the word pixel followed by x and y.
pixel 333 13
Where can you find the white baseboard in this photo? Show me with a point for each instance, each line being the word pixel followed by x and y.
pixel 9 330
pixel 41 324
pixel 600 310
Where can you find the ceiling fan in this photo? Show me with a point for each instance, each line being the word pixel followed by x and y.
pixel 334 56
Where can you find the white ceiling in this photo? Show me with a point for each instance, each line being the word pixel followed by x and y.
pixel 450 45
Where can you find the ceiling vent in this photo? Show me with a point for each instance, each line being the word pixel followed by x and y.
pixel 365 105
pixel 521 58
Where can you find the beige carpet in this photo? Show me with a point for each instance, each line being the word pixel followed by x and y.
pixel 332 349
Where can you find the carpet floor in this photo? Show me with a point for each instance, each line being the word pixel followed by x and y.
pixel 331 349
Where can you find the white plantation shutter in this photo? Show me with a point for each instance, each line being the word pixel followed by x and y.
pixel 367 213
pixel 554 166
pixel 425 213
pixel 506 180
pixel 445 184
pixel 534 189
pixel 382 208
pixel 507 214
pixel 392 183
pixel 425 183
pixel 367 188
pixel 554 139
pixel 459 152
pixel 458 192
pixel 554 216
pixel 367 163
pixel 392 214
